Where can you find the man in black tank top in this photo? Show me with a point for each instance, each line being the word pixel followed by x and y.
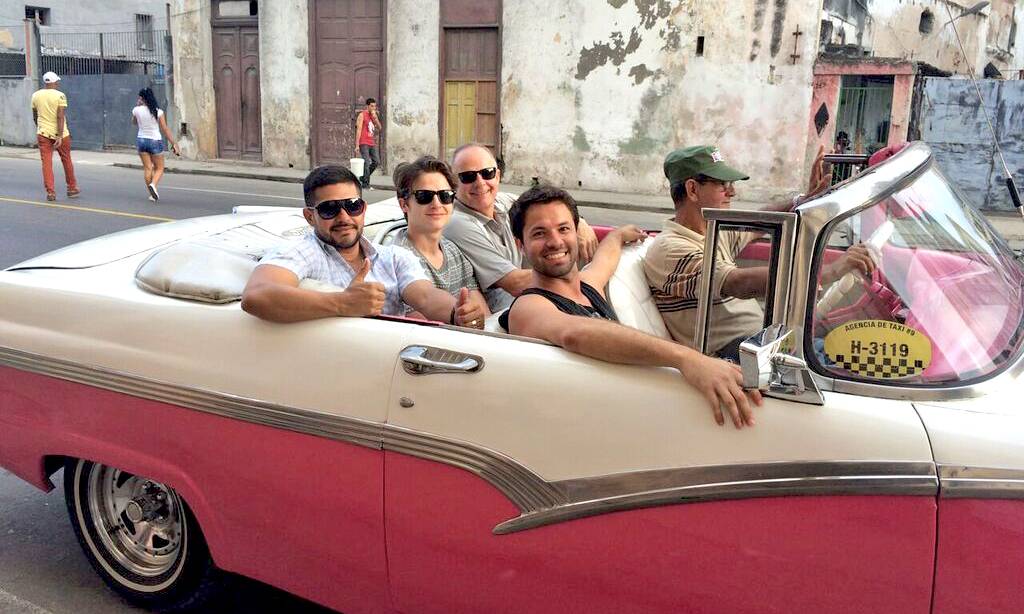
pixel 567 307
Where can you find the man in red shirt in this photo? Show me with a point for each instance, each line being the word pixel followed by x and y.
pixel 367 127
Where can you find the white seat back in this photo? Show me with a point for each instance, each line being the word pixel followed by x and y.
pixel 630 295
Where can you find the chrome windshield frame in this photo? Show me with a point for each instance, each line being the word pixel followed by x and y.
pixel 782 226
pixel 817 218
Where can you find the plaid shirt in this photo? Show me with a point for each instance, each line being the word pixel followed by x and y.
pixel 455 273
pixel 311 258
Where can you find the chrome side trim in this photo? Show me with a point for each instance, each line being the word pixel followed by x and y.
pixel 613 493
pixel 540 502
pixel 526 489
pixel 962 482
pixel 349 430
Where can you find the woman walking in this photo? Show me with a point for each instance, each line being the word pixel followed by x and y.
pixel 150 120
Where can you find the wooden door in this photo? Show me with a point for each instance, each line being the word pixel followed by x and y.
pixel 252 129
pixel 348 44
pixel 236 85
pixel 459 113
pixel 471 66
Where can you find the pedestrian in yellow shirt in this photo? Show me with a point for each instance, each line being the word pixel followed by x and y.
pixel 48 108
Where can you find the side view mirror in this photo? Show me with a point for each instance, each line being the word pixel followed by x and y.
pixel 768 366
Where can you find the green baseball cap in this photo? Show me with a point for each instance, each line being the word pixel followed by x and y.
pixel 682 164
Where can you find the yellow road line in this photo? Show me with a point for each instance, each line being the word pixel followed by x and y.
pixel 38 203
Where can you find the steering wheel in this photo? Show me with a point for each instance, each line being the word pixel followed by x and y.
pixel 877 296
pixel 877 301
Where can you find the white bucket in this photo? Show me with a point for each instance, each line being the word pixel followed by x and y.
pixel 356 166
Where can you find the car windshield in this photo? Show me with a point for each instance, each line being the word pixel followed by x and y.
pixel 917 289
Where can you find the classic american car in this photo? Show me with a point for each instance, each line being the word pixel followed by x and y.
pixel 393 465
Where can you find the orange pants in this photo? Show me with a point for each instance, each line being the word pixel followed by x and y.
pixel 46 153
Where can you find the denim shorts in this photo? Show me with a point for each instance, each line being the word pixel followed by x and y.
pixel 150 146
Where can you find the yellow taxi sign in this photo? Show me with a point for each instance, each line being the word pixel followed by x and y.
pixel 879 349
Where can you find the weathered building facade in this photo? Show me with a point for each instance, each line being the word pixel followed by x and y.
pixel 587 94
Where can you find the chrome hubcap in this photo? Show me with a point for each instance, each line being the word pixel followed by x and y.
pixel 138 521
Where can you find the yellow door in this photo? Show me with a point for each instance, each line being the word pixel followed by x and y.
pixel 459 114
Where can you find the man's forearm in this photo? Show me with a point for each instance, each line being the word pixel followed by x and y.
pixel 279 303
pixel 514 282
pixel 746 283
pixel 436 305
pixel 613 342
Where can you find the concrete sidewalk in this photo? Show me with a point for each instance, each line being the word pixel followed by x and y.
pixel 1009 225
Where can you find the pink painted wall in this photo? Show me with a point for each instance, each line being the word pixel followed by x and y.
pixel 827 80
pixel 902 95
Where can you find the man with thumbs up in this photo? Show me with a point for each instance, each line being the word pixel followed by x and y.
pixel 375 279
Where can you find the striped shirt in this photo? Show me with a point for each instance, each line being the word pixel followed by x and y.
pixel 673 265
pixel 455 273
pixel 311 258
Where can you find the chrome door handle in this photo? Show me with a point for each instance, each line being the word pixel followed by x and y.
pixel 426 360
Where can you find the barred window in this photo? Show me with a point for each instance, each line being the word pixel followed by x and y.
pixel 144 31
pixel 40 14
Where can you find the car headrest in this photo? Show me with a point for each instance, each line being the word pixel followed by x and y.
pixel 630 294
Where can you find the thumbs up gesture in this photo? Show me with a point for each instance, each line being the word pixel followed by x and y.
pixel 363 298
pixel 468 313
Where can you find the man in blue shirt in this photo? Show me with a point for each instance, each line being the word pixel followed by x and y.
pixel 376 279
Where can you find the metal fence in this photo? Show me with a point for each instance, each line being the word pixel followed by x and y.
pixel 845 166
pixel 863 114
pixel 93 53
pixel 13 64
pixel 102 73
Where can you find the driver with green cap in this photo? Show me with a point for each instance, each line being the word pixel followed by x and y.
pixel 700 178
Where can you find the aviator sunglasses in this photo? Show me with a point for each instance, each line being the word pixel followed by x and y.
pixel 329 209
pixel 425 197
pixel 470 176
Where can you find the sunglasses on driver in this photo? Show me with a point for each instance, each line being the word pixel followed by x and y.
pixel 329 209
pixel 470 176
pixel 425 197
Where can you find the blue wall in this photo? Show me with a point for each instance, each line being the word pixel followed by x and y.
pixel 952 123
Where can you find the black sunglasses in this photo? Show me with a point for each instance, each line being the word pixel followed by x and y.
pixel 425 197
pixel 329 209
pixel 470 176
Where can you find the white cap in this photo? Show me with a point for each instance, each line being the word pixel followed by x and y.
pixel 50 77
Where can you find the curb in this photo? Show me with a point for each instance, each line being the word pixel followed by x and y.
pixel 216 173
pixel 595 204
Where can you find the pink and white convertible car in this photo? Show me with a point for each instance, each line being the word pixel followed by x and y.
pixel 388 465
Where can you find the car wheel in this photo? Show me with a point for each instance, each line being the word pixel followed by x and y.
pixel 140 537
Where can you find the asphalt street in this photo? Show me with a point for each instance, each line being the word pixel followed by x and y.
pixel 42 569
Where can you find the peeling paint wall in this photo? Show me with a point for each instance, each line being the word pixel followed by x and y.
pixel 1000 43
pixel 596 93
pixel 193 81
pixel 894 30
pixel 284 83
pixel 413 97
pixel 897 35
